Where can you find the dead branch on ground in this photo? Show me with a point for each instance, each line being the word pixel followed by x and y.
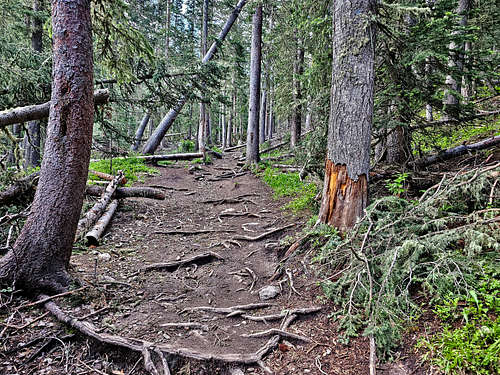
pixel 263 235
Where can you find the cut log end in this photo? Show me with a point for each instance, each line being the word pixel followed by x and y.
pixel 343 198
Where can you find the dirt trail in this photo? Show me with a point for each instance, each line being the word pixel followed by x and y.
pixel 209 214
pixel 147 232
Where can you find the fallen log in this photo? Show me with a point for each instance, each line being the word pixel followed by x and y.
pixel 93 237
pixel 170 157
pixel 127 192
pixel 19 188
pixel 456 151
pixel 96 211
pixel 107 176
pixel 39 111
pixel 273 147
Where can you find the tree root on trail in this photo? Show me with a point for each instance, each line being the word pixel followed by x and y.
pixel 193 232
pixel 174 265
pixel 146 348
pixel 263 235
pixel 281 333
pixel 234 200
pixel 229 310
pixel 281 315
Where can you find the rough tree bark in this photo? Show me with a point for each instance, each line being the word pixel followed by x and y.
pixel 345 192
pixel 254 99
pixel 165 124
pixel 41 254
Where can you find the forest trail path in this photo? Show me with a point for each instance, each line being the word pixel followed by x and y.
pixel 208 211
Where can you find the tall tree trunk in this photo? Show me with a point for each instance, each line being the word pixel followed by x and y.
pixel 455 63
pixel 262 116
pixel 231 126
pixel 140 131
pixel 32 143
pixel 165 124
pixel 345 192
pixel 254 98
pixel 40 257
pixel 202 130
pixel 298 71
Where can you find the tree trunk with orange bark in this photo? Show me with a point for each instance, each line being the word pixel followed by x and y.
pixel 345 193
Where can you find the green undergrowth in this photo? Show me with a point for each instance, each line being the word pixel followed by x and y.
pixel 133 168
pixel 458 135
pixel 470 340
pixel 290 185
pixel 437 248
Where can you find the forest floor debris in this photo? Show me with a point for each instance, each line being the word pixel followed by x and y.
pixel 202 310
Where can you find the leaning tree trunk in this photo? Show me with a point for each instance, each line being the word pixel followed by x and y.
pixel 165 124
pixel 140 131
pixel 254 104
pixel 345 192
pixel 32 148
pixel 40 257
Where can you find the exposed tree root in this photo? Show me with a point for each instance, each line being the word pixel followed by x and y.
pixel 174 265
pixel 235 200
pixel 229 310
pixel 145 348
pixel 281 315
pixel 281 333
pixel 193 232
pixel 263 235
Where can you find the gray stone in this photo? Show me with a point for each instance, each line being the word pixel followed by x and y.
pixel 269 292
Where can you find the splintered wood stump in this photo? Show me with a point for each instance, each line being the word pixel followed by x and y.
pixel 343 198
pixel 93 237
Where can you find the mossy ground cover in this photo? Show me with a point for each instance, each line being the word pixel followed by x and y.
pixel 133 168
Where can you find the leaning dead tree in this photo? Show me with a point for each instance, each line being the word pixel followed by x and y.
pixel 40 111
pixel 165 124
pixel 457 151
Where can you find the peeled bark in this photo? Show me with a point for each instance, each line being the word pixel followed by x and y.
pixel 254 104
pixel 94 236
pixel 40 111
pixel 108 177
pixel 40 257
pixel 165 124
pixel 345 193
pixel 343 198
